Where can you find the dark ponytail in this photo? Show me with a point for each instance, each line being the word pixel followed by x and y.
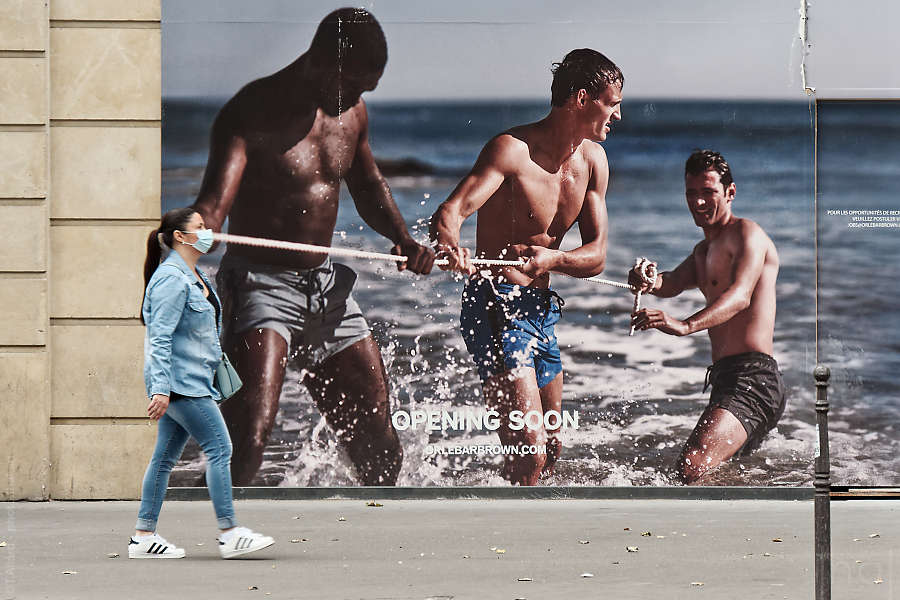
pixel 176 219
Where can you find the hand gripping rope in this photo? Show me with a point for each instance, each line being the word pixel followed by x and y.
pixel 350 253
pixel 648 272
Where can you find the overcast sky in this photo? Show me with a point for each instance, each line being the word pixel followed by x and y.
pixel 477 49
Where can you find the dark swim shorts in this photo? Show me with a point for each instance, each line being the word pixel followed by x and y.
pixel 750 387
pixel 509 326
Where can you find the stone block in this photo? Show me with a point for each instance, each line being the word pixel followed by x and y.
pixel 24 426
pixel 97 270
pixel 23 25
pixel 105 10
pixel 23 311
pixel 23 246
pixel 99 461
pixel 23 91
pixel 105 172
pixel 23 164
pixel 97 371
pixel 101 73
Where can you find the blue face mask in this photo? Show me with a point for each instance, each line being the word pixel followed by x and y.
pixel 204 240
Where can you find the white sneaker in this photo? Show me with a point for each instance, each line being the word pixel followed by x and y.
pixel 153 546
pixel 243 541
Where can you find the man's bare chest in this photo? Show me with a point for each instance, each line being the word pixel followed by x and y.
pixel 715 269
pixel 548 200
pixel 321 152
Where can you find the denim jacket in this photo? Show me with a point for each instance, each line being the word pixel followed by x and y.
pixel 181 348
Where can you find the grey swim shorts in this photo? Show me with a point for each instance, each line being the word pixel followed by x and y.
pixel 311 309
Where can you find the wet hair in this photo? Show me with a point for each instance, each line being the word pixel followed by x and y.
pixel 701 161
pixel 583 69
pixel 351 37
pixel 176 219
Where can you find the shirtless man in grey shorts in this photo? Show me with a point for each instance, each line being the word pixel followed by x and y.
pixel 279 151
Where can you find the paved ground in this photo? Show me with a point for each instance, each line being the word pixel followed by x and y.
pixel 459 549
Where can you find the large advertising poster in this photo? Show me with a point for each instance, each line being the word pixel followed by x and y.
pixel 858 221
pixel 457 75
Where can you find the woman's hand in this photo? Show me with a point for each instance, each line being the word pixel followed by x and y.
pixel 157 407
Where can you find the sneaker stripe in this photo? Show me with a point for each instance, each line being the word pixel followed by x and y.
pixel 162 550
pixel 151 549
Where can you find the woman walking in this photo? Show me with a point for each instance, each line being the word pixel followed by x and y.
pixel 181 352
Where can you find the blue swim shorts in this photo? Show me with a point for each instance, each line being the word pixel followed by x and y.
pixel 507 326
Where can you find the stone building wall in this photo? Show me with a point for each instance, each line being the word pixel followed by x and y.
pixel 80 118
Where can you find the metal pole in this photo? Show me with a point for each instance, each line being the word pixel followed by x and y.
pixel 823 487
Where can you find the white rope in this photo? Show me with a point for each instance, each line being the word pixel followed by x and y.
pixel 346 252
pixel 350 253
pixel 647 269
pixel 596 279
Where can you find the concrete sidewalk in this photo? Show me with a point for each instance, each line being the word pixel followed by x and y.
pixel 459 549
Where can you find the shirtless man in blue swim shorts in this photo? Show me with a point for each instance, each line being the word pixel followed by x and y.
pixel 735 267
pixel 529 186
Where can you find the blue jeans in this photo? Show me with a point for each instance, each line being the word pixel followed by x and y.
pixel 201 419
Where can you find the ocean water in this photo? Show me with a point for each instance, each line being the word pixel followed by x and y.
pixel 637 397
pixel 859 319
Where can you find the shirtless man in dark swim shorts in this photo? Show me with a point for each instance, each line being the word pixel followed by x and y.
pixel 529 186
pixel 735 267
pixel 279 151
